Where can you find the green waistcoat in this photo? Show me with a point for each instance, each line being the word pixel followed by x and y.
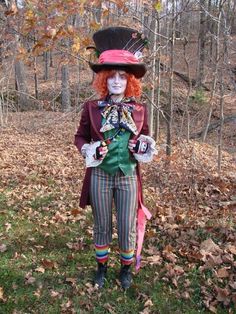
pixel 118 156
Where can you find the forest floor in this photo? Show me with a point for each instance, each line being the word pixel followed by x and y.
pixel 46 251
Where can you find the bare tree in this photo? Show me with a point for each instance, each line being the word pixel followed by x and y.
pixel 158 82
pixel 201 44
pixel 20 82
pixel 186 115
pixel 222 88
pixel 213 89
pixel 153 75
pixel 65 88
pixel 169 109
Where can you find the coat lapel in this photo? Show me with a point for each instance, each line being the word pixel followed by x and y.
pixel 96 119
pixel 138 117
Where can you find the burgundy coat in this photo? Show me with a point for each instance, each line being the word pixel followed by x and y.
pixel 90 124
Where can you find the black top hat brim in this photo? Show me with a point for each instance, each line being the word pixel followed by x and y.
pixel 138 70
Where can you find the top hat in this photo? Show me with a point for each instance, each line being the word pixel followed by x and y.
pixel 119 48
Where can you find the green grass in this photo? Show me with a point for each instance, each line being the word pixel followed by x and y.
pixel 30 241
pixel 199 96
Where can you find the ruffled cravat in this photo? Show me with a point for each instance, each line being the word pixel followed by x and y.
pixel 118 115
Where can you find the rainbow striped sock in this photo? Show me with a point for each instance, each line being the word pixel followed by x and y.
pixel 101 252
pixel 126 257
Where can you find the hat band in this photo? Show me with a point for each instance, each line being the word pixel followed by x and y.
pixel 117 56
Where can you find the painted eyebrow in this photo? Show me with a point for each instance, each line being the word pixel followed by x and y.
pixel 122 75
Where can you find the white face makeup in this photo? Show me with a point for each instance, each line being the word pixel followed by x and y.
pixel 116 84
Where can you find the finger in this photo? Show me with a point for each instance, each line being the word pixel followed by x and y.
pixel 104 150
pixel 131 146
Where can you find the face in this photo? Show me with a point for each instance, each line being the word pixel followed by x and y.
pixel 117 82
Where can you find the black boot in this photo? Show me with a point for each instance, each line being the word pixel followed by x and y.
pixel 125 276
pixel 100 275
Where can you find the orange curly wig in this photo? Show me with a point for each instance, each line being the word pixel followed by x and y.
pixel 100 84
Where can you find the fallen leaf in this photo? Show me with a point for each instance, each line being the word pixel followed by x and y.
pixel 222 295
pixel 233 285
pixel 148 303
pixel 174 281
pixel 213 260
pixel 228 258
pixel 232 249
pixel 212 309
pixel 110 308
pixel 90 288
pixel 186 295
pixel 48 264
pixel 75 212
pixel 222 273
pixel 178 270
pixel 3 248
pixel 145 311
pixel 209 246
pixel 1 294
pixel 40 269
pixel 54 294
pixel 58 217
pixel 71 280
pixel 37 293
pixel 168 249
pixel 8 226
pixel 66 305
pixel 151 250
pixel 12 10
pixel 171 257
pixel 30 280
pixel 154 260
pixel 234 298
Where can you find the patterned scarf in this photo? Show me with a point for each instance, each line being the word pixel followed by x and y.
pixel 118 115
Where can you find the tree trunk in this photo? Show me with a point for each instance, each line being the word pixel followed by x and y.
pixel 158 69
pixel 65 88
pixel 46 57
pixel 169 110
pixel 1 50
pixel 233 19
pixel 35 79
pixel 215 75
pixel 3 111
pixel 186 113
pixel 21 85
pixel 98 13
pixel 222 88
pixel 201 45
pixel 153 74
pixel 77 92
pixel 221 123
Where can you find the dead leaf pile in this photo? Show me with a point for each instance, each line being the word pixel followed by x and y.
pixel 194 222
pixel 193 225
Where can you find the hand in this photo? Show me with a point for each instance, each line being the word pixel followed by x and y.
pixel 101 152
pixel 137 146
pixel 131 145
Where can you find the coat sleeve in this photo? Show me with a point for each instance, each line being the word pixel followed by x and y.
pixel 145 128
pixel 83 135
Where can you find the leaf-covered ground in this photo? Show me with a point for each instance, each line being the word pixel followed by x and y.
pixel 46 249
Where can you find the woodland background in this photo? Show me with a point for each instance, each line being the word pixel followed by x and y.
pixel 46 249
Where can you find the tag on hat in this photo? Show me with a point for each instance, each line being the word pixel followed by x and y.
pixel 138 55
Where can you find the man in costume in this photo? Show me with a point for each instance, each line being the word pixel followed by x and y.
pixel 113 138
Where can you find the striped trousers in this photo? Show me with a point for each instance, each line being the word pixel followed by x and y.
pixel 122 189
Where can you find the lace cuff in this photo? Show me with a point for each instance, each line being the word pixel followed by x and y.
pixel 148 155
pixel 88 151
